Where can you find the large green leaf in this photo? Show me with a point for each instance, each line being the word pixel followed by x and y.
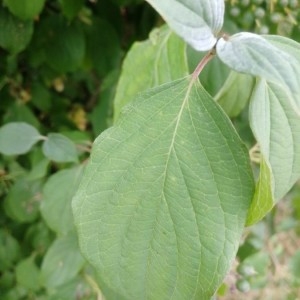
pixel 25 9
pixel 255 55
pixel 158 60
pixel 15 34
pixel 276 127
pixel 197 22
pixel 57 195
pixel 163 202
pixel 17 138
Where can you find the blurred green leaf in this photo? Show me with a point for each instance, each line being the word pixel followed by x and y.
pixel 103 46
pixel 9 250
pixel 17 138
pixel 77 288
pixel 70 8
pixel 22 202
pixel 57 196
pixel 294 264
pixel 15 34
pixel 28 274
pixel 25 9
pixel 64 44
pixel 59 148
pixel 62 262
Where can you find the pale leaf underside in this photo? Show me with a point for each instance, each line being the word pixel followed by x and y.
pixel 197 22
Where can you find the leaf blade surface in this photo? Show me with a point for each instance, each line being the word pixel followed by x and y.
pixel 164 199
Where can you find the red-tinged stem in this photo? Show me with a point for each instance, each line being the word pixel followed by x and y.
pixel 203 63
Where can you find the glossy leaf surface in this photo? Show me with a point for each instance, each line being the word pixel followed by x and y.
pixel 163 202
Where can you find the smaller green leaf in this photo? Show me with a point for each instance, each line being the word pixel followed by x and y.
pixel 25 9
pixel 62 262
pixel 17 138
pixel 57 196
pixel 235 93
pixel 59 148
pixel 22 201
pixel 263 199
pixel 253 54
pixel 71 290
pixel 15 34
pixel 160 59
pixel 70 8
pixel 64 44
pixel 28 274
pixel 275 125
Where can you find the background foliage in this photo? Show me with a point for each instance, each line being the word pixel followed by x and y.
pixel 60 63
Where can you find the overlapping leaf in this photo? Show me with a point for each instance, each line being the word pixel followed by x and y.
pixel 197 22
pixel 255 55
pixel 235 93
pixel 159 60
pixel 164 199
pixel 276 127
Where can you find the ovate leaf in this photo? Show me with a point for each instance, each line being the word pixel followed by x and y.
pixel 159 60
pixel 17 138
pixel 197 22
pixel 26 9
pixel 57 195
pixel 276 127
pixel 62 262
pixel 163 202
pixel 15 34
pixel 235 93
pixel 59 148
pixel 252 54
